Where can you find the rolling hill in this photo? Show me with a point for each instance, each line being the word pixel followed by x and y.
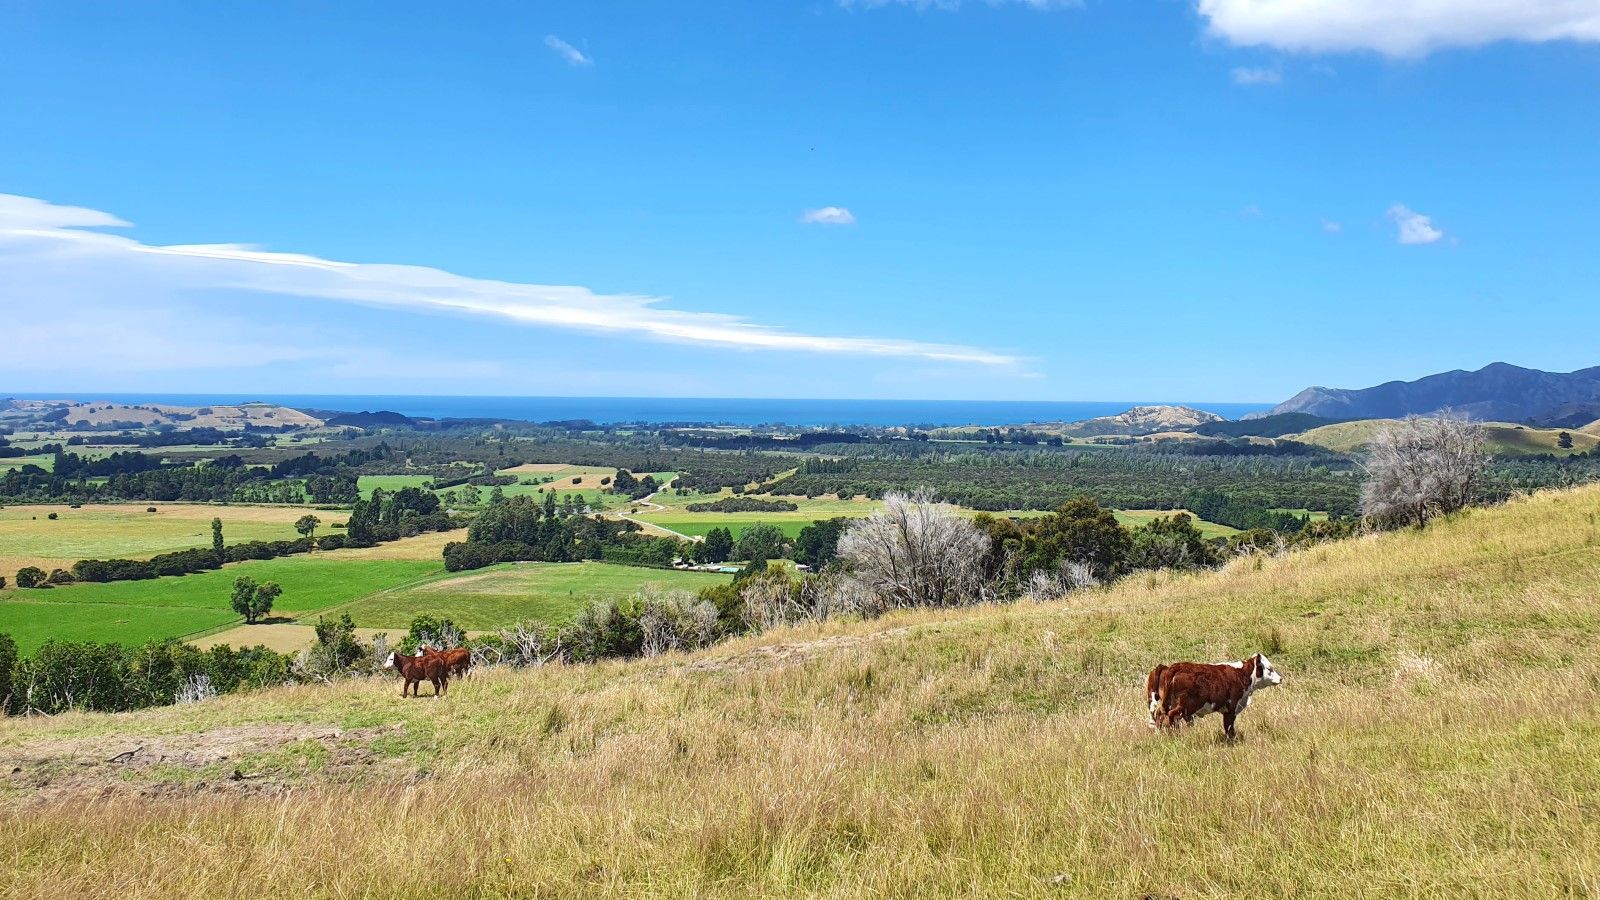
pixel 1504 439
pixel 1434 735
pixel 1498 391
pixel 1142 420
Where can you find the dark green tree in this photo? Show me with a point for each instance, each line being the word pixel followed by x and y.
pixel 761 541
pixel 1080 531
pixel 254 601
pixel 818 543
pixel 217 546
pixel 307 525
pixel 1564 441
pixel 30 577
pixel 8 662
pixel 718 545
pixel 1170 542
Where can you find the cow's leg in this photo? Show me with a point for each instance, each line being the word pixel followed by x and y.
pixel 1228 716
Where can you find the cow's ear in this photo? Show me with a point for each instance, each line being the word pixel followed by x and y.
pixel 1259 667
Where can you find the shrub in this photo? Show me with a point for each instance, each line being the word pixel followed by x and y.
pixel 915 552
pixel 8 662
pixel 30 577
pixel 52 517
pixel 103 570
pixel 743 504
pixel 675 621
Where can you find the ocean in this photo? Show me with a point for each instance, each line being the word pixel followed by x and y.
pixel 664 410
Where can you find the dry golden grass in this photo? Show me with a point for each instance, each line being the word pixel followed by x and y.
pixel 284 637
pixel 428 546
pixel 1435 736
pixel 28 537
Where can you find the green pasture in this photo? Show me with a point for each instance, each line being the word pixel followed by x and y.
pixel 29 537
pixel 131 612
pixel 367 483
pixel 45 461
pixel 511 592
pixel 1133 518
pixel 736 523
pixel 32 622
pixel 1316 515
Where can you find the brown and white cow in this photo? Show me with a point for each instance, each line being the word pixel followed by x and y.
pixel 458 659
pixel 1180 692
pixel 416 669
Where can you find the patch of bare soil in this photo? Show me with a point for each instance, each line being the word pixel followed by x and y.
pixel 219 761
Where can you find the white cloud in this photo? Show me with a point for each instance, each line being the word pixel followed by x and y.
pixel 1398 27
pixel 1249 77
pixel 1414 227
pixel 566 51
pixel 1331 227
pixel 44 247
pixel 828 215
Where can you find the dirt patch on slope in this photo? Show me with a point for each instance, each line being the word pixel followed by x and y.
pixel 238 760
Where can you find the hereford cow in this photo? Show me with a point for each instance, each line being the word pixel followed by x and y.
pixel 1179 692
pixel 459 660
pixel 416 668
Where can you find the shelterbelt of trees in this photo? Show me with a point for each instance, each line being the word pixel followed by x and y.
pixel 133 475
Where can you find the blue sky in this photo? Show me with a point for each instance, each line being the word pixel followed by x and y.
pixel 1146 199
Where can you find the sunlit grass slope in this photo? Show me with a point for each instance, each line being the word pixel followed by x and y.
pixel 1437 735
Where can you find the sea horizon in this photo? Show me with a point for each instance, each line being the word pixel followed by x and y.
pixel 746 411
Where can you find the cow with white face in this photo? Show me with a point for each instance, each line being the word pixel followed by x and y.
pixel 1181 692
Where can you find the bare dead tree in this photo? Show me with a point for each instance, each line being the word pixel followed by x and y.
pixel 917 552
pixel 675 621
pixel 1422 467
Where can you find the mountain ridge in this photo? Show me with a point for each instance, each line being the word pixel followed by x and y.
pixel 1498 391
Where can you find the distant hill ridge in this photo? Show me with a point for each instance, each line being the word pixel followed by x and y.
pixel 1141 420
pixel 1499 391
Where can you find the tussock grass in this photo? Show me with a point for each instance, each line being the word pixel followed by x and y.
pixel 1436 736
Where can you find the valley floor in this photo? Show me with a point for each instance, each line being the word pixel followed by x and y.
pixel 1435 736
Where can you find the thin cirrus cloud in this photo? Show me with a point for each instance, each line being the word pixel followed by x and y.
pixel 566 51
pixel 1249 76
pixel 828 215
pixel 43 243
pixel 1399 28
pixel 1413 227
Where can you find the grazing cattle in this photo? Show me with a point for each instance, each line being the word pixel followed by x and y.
pixel 416 668
pixel 1180 692
pixel 459 659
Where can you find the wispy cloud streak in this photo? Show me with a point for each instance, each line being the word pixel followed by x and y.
pixel 35 235
pixel 566 51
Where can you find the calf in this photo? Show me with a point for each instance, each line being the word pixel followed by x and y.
pixel 416 668
pixel 1179 692
pixel 459 659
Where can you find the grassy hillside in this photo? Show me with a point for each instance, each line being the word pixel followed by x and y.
pixel 1503 438
pixel 1435 736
